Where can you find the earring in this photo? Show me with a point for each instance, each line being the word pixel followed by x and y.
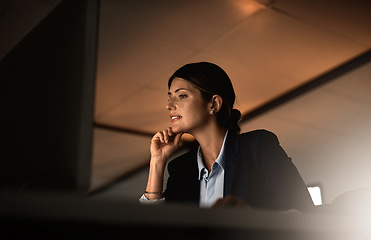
pixel 212 112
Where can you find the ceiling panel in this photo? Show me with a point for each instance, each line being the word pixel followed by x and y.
pixel 142 42
pixel 266 53
pixel 187 24
pixel 138 62
pixel 284 46
pixel 145 111
pixel 346 18
pixel 270 54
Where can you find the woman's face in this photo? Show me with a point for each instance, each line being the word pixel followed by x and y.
pixel 188 110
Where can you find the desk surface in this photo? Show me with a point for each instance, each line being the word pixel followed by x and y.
pixel 39 213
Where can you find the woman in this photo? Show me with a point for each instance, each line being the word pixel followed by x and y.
pixel 227 168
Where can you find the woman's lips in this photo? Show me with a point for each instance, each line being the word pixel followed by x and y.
pixel 175 117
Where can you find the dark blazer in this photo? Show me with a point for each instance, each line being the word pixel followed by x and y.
pixel 257 170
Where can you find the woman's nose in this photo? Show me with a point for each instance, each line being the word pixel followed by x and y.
pixel 170 105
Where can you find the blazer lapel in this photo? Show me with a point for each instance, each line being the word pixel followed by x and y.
pixel 231 162
pixel 195 190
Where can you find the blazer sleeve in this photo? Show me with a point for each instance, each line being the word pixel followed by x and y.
pixel 281 178
pixel 182 184
pixel 170 192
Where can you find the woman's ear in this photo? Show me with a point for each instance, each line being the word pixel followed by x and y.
pixel 216 104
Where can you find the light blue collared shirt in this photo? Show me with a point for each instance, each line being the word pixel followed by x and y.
pixel 211 184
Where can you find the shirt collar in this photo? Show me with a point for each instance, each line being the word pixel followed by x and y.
pixel 220 160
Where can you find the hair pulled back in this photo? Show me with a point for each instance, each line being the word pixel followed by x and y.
pixel 212 80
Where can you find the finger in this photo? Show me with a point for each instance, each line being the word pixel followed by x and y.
pixel 171 133
pixel 166 135
pixel 160 136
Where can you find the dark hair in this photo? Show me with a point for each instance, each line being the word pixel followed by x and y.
pixel 212 80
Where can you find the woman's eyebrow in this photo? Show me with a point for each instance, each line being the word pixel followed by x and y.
pixel 169 93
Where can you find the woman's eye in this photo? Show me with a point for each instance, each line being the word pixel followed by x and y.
pixel 182 96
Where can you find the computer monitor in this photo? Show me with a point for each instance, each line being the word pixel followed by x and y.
pixel 47 101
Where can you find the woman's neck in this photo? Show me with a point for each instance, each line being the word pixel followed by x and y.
pixel 211 142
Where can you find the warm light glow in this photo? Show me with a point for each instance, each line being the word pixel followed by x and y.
pixel 315 193
pixel 250 7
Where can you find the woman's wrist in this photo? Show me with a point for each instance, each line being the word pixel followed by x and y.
pixel 158 163
pixel 155 179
